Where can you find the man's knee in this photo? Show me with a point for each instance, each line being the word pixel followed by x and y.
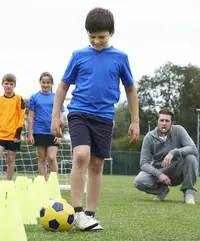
pixel 139 183
pixel 191 160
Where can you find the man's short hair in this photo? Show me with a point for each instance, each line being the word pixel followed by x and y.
pixel 9 78
pixel 99 19
pixel 165 111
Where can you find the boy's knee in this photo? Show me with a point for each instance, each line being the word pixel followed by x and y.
pixel 11 162
pixel 51 158
pixel 81 158
pixel 96 167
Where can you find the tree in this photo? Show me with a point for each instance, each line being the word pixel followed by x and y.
pixel 189 98
pixel 122 120
pixel 174 87
pixel 145 94
pixel 161 90
pixel 167 85
pixel 123 144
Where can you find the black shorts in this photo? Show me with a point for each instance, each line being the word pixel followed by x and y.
pixel 44 140
pixel 94 131
pixel 10 145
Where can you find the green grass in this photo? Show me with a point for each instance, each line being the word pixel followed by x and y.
pixel 127 214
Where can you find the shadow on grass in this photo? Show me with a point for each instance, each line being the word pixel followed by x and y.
pixel 165 201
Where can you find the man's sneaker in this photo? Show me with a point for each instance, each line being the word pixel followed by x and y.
pixel 162 195
pixel 189 199
pixel 84 222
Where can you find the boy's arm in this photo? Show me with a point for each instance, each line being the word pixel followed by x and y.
pixel 30 122
pixel 21 113
pixel 62 121
pixel 134 130
pixel 56 123
pixel 30 126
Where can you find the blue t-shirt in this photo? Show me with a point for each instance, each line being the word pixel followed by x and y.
pixel 96 75
pixel 42 105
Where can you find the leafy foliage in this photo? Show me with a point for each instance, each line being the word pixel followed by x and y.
pixel 124 144
pixel 172 86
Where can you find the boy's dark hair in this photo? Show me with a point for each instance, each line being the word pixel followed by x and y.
pixel 99 19
pixel 46 74
pixel 9 78
pixel 165 111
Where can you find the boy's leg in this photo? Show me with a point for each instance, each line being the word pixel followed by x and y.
pixel 42 155
pixel 11 164
pixel 81 157
pixel 2 148
pixel 101 132
pixel 51 158
pixel 94 181
pixel 81 138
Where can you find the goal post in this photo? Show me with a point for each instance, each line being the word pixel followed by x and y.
pixel 26 162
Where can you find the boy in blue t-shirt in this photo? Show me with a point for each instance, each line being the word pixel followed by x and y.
pixel 96 72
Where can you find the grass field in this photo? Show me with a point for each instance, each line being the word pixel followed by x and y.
pixel 130 215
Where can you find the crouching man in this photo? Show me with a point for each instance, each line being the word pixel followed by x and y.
pixel 168 158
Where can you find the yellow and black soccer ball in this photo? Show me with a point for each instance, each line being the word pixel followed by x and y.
pixel 57 215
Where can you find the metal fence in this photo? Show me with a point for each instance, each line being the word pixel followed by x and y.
pixel 122 163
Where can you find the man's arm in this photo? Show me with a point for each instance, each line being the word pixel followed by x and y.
pixel 147 157
pixel 188 146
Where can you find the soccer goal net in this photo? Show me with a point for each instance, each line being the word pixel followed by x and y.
pixel 26 162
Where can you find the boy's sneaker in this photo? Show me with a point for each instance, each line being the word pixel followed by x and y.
pixel 98 227
pixel 84 222
pixel 162 195
pixel 189 199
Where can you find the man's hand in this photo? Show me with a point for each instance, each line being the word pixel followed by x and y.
pixel 167 160
pixel 56 127
pixel 134 132
pixel 164 179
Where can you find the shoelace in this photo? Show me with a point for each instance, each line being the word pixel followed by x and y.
pixel 85 217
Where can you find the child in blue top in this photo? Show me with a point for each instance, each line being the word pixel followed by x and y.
pixel 39 125
pixel 96 72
